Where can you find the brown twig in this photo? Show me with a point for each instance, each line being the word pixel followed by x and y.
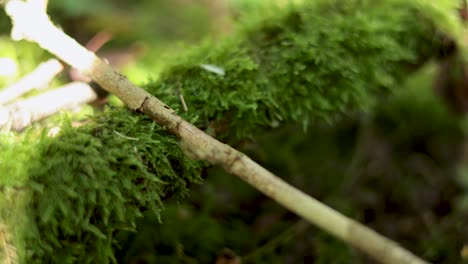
pixel 36 26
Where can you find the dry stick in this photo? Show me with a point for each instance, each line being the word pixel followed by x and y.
pixel 38 78
pixel 6 249
pixel 21 114
pixel 37 27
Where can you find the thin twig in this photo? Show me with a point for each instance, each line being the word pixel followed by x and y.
pixel 124 136
pixel 282 238
pixel 38 78
pixel 35 26
pixel 21 114
pixel 182 100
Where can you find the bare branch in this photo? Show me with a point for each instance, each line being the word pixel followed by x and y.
pixel 39 78
pixel 21 114
pixel 199 145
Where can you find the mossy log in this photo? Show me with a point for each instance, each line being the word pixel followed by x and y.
pixel 63 198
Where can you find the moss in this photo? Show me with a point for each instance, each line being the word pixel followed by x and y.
pixel 90 182
pixel 298 65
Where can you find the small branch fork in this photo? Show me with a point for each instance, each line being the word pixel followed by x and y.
pixel 32 23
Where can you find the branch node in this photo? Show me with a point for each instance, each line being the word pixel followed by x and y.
pixel 140 109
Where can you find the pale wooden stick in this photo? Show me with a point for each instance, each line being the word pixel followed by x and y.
pixel 8 251
pixel 38 78
pixel 21 114
pixel 37 27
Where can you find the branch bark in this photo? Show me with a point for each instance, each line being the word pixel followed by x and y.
pixel 34 25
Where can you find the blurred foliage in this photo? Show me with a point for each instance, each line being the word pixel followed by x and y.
pixel 5 22
pixel 25 54
pixel 149 21
pixel 302 93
